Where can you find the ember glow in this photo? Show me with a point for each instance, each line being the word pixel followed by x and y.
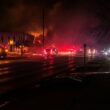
pixel 35 34
pixel 38 33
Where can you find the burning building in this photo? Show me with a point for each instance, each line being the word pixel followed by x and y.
pixel 18 38
pixel 14 40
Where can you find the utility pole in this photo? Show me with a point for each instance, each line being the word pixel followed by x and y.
pixel 43 26
pixel 85 52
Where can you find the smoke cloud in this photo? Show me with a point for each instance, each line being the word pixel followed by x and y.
pixel 66 23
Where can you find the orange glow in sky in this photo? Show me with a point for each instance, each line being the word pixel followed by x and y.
pixel 38 33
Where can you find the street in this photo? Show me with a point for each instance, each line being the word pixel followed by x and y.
pixel 18 78
pixel 21 72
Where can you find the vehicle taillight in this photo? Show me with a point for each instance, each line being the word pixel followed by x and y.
pixel 45 52
pixel 94 51
pixel 51 52
pixel 89 51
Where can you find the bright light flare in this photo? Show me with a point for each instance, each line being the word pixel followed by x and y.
pixel 94 51
pixel 0 50
pixel 105 53
pixel 67 51
pixel 11 42
pixel 6 50
pixel 108 50
pixel 51 52
pixel 45 51
pixel 89 51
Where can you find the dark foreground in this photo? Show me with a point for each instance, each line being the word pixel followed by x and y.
pixel 65 95
pixel 82 88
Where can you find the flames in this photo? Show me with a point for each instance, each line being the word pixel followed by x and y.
pixel 38 36
pixel 38 33
pixel 35 34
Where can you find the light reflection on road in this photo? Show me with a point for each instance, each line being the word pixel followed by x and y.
pixel 4 72
pixel 43 68
pixel 71 63
pixel 5 62
pixel 4 69
pixel 48 66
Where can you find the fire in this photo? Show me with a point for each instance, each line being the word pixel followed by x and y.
pixel 36 34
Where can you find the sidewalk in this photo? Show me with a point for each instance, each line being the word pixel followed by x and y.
pixel 96 65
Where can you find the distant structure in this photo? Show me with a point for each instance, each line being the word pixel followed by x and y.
pixel 17 37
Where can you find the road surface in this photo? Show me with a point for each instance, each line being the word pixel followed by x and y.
pixel 21 76
pixel 21 72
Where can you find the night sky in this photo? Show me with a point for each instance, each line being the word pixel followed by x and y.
pixel 66 22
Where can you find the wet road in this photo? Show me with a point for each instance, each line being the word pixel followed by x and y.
pixel 23 72
pixel 58 92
